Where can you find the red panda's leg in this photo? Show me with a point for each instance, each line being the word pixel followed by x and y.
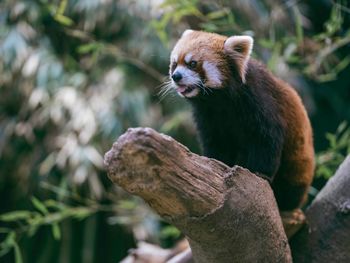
pixel 292 182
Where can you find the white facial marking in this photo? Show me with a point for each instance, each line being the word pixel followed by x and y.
pixel 213 74
pixel 175 57
pixel 188 57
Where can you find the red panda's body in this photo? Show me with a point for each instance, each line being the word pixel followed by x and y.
pixel 244 115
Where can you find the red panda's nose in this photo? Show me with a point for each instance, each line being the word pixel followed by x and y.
pixel 176 76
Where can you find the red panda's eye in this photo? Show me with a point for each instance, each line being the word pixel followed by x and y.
pixel 173 66
pixel 192 64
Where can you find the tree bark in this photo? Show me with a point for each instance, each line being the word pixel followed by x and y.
pixel 228 214
pixel 326 237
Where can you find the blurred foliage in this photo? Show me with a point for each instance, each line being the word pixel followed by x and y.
pixel 75 74
pixel 339 147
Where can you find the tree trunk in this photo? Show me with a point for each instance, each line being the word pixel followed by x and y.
pixel 228 214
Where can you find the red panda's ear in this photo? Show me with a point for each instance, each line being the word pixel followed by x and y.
pixel 186 32
pixel 239 49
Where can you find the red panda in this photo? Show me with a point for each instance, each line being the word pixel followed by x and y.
pixel 244 115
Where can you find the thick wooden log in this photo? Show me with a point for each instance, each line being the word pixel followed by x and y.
pixel 228 214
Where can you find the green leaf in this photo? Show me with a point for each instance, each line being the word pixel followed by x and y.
pixel 62 7
pixel 231 19
pixel 211 27
pixel 266 43
pixel 5 230
pixel 332 139
pixel 18 254
pixel 8 243
pixel 217 14
pixel 343 64
pixel 87 48
pixel 55 205
pixel 56 232
pixel 32 230
pixel 341 127
pixel 15 215
pixel 170 231
pixel 329 160
pixel 64 20
pixel 127 204
pixel 276 54
pixel 298 25
pixel 344 140
pixel 82 212
pixel 39 205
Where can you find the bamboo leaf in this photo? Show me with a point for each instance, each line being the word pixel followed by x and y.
pixel 8 243
pixel 170 231
pixel 64 20
pixel 127 204
pixel 18 254
pixel 39 205
pixel 298 25
pixel 82 212
pixel 56 231
pixel 62 7
pixel 32 230
pixel 5 230
pixel 217 14
pixel 87 48
pixel 15 216
pixel 55 205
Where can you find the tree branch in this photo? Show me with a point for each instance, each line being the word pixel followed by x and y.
pixel 326 238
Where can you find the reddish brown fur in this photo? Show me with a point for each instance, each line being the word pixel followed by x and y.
pixel 297 165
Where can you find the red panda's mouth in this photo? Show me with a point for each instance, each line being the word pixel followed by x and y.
pixel 184 89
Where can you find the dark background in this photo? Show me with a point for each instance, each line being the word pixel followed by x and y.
pixel 75 74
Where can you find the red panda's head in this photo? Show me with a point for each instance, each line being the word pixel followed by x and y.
pixel 203 60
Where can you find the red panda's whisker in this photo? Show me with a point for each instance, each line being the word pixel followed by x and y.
pixel 166 89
